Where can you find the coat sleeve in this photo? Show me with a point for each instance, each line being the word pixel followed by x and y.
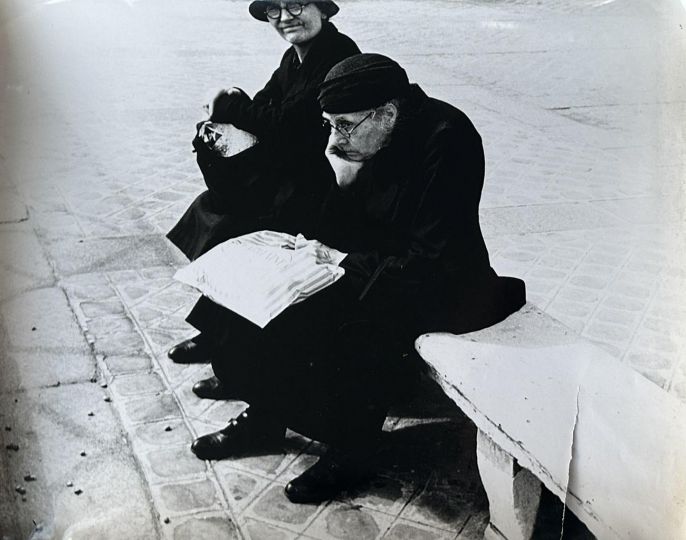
pixel 231 108
pixel 286 122
pixel 444 223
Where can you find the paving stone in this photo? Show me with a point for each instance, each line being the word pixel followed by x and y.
pixel 388 494
pixel 609 332
pixel 268 465
pixel 407 530
pixel 93 310
pixel 624 303
pixel 590 281
pixel 241 487
pixel 127 364
pixel 176 463
pixel 440 507
pixel 256 529
pixel 206 528
pixel 273 507
pixel 137 384
pixel 151 408
pixel 116 337
pixel 347 522
pixel 566 307
pixel 186 497
pixel 107 254
pixel 475 527
pixel 155 435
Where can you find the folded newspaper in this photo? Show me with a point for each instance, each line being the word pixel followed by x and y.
pixel 260 274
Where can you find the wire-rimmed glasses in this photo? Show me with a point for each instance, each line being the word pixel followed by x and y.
pixel 346 132
pixel 293 8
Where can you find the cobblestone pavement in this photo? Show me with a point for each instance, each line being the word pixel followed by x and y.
pixel 581 108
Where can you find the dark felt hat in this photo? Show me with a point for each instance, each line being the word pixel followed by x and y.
pixel 258 8
pixel 361 82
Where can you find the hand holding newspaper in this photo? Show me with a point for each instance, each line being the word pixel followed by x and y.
pixel 260 274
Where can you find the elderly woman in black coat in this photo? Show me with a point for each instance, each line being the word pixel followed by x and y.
pixel 281 182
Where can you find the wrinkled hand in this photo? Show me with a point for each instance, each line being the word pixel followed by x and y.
pixel 346 170
pixel 323 254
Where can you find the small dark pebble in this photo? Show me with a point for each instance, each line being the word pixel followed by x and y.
pixel 23 499
pixel 16 400
pixel 21 490
pixel 13 446
pixel 107 399
pixel 70 484
pixel 78 491
pixel 94 379
pixel 83 454
pixel 168 428
pixel 103 385
pixel 33 329
pixel 167 520
pixel 91 413
pixel 8 428
pixel 29 478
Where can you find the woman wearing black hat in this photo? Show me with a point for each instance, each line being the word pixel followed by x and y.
pixel 279 183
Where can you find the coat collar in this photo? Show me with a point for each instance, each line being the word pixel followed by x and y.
pixel 319 48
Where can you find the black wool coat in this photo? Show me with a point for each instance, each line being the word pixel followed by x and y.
pixel 282 181
pixel 410 224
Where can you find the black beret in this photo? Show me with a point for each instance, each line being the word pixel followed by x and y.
pixel 360 82
pixel 258 8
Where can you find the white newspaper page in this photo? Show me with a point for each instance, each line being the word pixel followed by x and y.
pixel 259 275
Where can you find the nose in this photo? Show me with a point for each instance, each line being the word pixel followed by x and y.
pixel 285 14
pixel 337 138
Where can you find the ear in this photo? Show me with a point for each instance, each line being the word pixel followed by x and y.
pixel 389 111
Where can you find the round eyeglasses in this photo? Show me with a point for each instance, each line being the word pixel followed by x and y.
pixel 294 9
pixel 345 131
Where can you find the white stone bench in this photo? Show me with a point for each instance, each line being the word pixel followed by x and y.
pixel 554 409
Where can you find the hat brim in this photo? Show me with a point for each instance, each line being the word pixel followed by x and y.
pixel 258 8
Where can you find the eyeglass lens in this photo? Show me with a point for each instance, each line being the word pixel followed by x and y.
pixel 347 133
pixel 293 8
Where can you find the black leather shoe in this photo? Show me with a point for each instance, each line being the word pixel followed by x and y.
pixel 190 351
pixel 211 388
pixel 334 472
pixel 248 434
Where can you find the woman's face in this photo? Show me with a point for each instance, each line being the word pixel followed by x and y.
pixel 301 28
